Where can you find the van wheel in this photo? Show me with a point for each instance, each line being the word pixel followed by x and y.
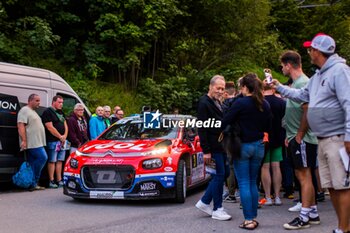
pixel 181 182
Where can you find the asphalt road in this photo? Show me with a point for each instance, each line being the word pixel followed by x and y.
pixel 51 211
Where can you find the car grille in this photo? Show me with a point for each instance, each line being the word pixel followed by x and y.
pixel 108 177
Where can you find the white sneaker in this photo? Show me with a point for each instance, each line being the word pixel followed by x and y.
pixel 220 214
pixel 204 207
pixel 278 201
pixel 268 201
pixel 296 208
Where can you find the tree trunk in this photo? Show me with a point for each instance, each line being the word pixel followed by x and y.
pixel 154 57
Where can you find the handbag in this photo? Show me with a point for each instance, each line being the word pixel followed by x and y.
pixel 231 142
pixel 24 177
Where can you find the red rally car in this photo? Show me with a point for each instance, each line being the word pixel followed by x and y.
pixel 131 161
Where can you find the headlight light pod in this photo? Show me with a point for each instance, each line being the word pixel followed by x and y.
pixel 152 163
pixel 73 163
pixel 78 153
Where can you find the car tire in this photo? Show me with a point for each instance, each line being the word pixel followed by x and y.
pixel 181 182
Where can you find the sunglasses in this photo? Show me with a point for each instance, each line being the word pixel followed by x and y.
pixel 309 50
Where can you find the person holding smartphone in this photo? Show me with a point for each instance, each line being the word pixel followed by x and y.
pixel 328 116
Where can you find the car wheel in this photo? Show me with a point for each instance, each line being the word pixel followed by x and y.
pixel 181 182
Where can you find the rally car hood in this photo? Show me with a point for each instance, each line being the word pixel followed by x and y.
pixel 119 147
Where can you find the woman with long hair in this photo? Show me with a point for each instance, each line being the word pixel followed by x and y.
pixel 253 115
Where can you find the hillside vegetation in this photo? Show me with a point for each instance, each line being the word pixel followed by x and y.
pixel 162 52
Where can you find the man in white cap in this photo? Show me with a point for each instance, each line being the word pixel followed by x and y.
pixel 328 115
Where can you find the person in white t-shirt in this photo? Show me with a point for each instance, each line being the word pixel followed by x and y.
pixel 32 138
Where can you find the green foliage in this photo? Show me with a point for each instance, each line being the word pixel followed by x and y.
pixel 36 31
pixel 95 93
pixel 173 93
pixel 296 25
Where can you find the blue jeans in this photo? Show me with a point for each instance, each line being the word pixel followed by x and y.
pixel 246 170
pixel 216 185
pixel 37 158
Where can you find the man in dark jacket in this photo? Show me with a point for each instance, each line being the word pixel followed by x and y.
pixel 77 128
pixel 209 107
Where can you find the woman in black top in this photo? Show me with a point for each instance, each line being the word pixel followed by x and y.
pixel 253 115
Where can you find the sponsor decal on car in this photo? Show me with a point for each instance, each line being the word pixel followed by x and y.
pixel 67 174
pixel 107 194
pixel 197 167
pixel 149 193
pixel 116 145
pixel 167 181
pixel 168 169
pixel 148 186
pixel 167 178
pixel 169 160
pixel 106 161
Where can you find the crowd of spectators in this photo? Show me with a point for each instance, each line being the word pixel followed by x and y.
pixel 46 139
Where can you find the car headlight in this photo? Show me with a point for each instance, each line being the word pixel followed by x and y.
pixel 78 153
pixel 73 163
pixel 152 163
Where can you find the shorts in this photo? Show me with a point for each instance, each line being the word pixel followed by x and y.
pixel 331 168
pixel 52 154
pixel 273 155
pixel 303 155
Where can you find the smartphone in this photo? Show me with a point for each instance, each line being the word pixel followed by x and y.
pixel 268 75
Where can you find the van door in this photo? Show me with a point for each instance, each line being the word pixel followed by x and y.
pixel 9 141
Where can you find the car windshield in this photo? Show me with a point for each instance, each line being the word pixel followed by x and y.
pixel 135 130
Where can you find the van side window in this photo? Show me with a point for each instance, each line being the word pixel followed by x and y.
pixel 68 104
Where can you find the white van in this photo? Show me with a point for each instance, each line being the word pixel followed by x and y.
pixel 16 84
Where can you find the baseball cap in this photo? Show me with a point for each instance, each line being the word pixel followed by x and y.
pixel 321 42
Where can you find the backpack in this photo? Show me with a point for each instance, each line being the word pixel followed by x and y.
pixel 24 177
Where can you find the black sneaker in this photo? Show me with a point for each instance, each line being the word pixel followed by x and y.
pixel 230 199
pixel 320 197
pixel 296 224
pixel 52 185
pixel 314 221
